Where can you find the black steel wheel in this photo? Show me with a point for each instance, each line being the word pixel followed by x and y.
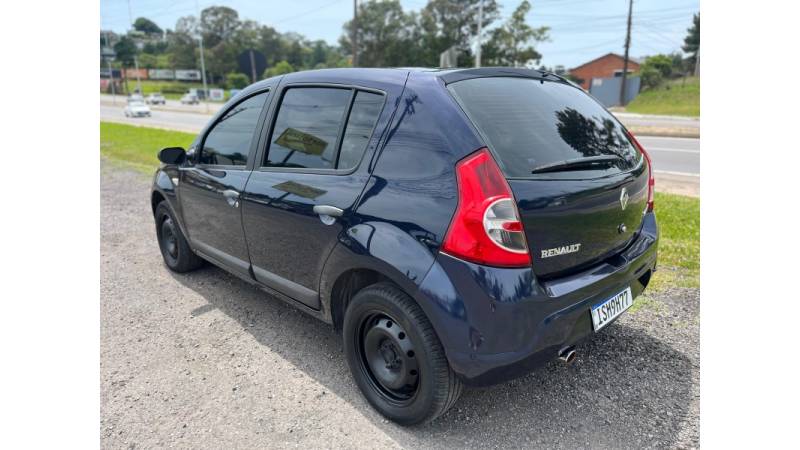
pixel 388 358
pixel 177 254
pixel 395 356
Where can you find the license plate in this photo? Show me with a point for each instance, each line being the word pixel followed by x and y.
pixel 603 313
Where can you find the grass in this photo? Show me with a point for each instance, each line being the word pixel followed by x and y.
pixel 679 249
pixel 672 98
pixel 137 147
pixel 678 216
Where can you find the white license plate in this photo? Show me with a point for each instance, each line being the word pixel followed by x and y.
pixel 603 313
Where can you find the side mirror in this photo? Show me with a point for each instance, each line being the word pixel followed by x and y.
pixel 172 155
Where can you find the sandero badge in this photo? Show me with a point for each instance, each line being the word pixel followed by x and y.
pixel 452 239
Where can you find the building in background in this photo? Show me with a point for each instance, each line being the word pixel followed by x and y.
pixel 606 66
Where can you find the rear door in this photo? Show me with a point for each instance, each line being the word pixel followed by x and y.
pixel 211 184
pixel 580 213
pixel 311 172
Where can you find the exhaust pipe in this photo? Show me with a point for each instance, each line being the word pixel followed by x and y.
pixel 567 356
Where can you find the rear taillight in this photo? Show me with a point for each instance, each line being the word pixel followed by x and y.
pixel 651 181
pixel 486 228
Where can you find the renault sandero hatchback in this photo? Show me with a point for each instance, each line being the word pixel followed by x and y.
pixel 459 227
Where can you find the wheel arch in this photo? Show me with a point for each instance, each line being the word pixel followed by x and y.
pixel 371 253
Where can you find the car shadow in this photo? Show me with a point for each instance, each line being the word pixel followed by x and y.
pixel 627 389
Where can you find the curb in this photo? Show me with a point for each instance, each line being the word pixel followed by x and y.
pixel 665 131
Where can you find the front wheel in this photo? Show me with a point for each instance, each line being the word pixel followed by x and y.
pixel 396 358
pixel 175 250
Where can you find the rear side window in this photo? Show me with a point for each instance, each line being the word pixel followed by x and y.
pixel 307 128
pixel 228 142
pixel 528 123
pixel 363 115
pixel 323 128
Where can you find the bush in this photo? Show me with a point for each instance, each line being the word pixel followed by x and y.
pixel 236 80
pixel 662 63
pixel 281 68
pixel 655 69
pixel 651 77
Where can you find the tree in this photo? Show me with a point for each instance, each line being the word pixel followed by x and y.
pixel 182 46
pixel 148 61
pixel 691 43
pixel 283 67
pixel 146 26
pixel 126 50
pixel 218 24
pixel 236 80
pixel 384 32
pixel 271 44
pixel 512 44
pixel 447 23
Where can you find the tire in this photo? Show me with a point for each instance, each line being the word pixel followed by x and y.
pixel 173 245
pixel 396 358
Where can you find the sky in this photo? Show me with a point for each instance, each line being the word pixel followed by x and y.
pixel 581 30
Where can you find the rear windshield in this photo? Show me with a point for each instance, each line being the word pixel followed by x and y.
pixel 528 123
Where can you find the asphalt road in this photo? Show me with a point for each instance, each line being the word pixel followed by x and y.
pixel 205 360
pixel 677 160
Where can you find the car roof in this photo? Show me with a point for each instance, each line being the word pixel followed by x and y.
pixel 397 74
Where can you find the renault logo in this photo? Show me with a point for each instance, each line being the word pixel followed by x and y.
pixel 623 198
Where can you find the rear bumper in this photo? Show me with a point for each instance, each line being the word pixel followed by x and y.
pixel 497 324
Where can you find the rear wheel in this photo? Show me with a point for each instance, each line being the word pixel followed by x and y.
pixel 396 357
pixel 174 247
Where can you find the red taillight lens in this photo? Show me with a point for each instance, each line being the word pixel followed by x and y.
pixel 651 181
pixel 486 228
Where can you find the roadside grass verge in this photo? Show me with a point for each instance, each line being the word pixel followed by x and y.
pixel 137 147
pixel 678 216
pixel 672 98
pixel 679 248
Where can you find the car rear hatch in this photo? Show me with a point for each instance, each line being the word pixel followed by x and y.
pixel 580 184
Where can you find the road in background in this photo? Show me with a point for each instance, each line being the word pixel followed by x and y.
pixel 647 120
pixel 676 160
pixel 189 122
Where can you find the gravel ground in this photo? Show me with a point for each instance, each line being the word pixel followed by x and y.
pixel 205 360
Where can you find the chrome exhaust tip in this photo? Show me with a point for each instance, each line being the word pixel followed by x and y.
pixel 567 356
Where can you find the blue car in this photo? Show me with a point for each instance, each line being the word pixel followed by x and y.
pixel 459 227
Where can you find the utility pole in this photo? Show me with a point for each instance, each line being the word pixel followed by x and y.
pixel 697 62
pixel 202 58
pixel 627 48
pixel 135 58
pixel 111 72
pixel 355 33
pixel 480 34
pixel 252 66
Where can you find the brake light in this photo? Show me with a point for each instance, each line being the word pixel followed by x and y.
pixel 486 228
pixel 651 181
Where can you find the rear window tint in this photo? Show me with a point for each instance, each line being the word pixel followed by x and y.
pixel 528 124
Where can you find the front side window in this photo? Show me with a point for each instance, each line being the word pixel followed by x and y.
pixel 228 142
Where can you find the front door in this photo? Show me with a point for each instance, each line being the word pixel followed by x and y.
pixel 299 198
pixel 211 185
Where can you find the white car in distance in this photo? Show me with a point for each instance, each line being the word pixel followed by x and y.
pixel 137 109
